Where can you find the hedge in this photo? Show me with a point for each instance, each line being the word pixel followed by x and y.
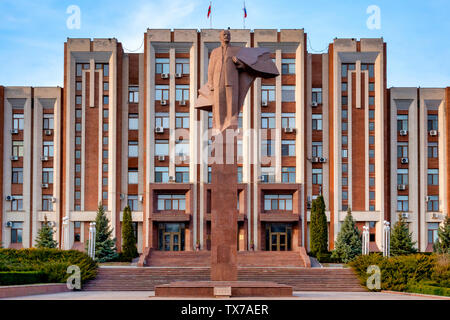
pixel 8 278
pixel 429 288
pixel 52 262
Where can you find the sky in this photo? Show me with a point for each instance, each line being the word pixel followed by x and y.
pixel 417 33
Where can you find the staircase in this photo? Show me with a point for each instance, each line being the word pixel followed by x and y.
pixel 301 279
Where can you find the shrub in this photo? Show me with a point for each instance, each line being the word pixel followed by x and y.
pixel 443 243
pixel 325 257
pixel 401 241
pixel 318 228
pixel 441 271
pixel 129 249
pixel 45 236
pixel 348 243
pixel 52 262
pixel 428 288
pixel 8 278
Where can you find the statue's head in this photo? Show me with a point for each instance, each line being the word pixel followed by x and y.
pixel 225 36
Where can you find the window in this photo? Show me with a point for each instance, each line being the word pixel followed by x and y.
pixel 162 65
pixel 171 202
pixel 105 99
pixel 78 126
pixel 210 120
pixel 267 148
pixel 317 121
pixel 288 174
pixel 371 126
pixel 371 182
pixel 133 176
pixel 267 120
pixel 402 150
pixel 345 181
pixel 345 67
pixel 371 86
pixel 18 121
pixel 78 86
pixel 344 114
pixel 371 101
pixel 344 86
pixel 48 121
pixel 402 122
pixel 161 92
pixel 182 120
pixel 106 70
pixel 239 174
pixel 17 203
pixel 161 147
pixel 77 207
pixel 162 174
pixel 433 232
pixel 371 195
pixel 370 67
pixel 317 176
pixel 182 92
pixel 182 174
pixel 267 94
pixel 344 126
pixel 432 122
pixel 344 195
pixel 105 86
pixel 77 231
pixel 162 120
pixel 182 147
pixel 288 93
pixel 317 95
pixel 402 203
pixel 133 94
pixel 371 153
pixel 78 181
pixel 433 177
pixel 288 120
pixel 77 140
pixel 288 148
pixel 344 167
pixel 133 149
pixel 47 204
pixel 371 207
pixel 17 175
pixel 268 173
pixel 402 176
pixel 239 148
pixel 47 175
pixel 133 121
pixel 17 148
pixel 16 232
pixel 79 68
pixel 105 167
pixel 317 149
pixel 105 140
pixel 371 168
pixel 433 203
pixel 344 139
pixel 77 154
pixel 78 113
pixel 278 202
pixel 48 148
pixel 288 66
pixel 105 196
pixel 182 66
pixel 371 139
pixel 344 100
pixel 133 202
pixel 432 149
pixel 344 207
pixel 240 120
pixel 344 153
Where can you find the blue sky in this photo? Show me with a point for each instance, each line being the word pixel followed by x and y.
pixel 32 33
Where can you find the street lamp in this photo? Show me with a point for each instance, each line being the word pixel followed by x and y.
pixel 92 234
pixel 386 239
pixel 365 240
pixel 66 232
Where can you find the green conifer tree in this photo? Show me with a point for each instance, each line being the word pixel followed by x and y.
pixel 129 249
pixel 318 235
pixel 105 247
pixel 44 238
pixel 401 241
pixel 348 243
pixel 443 243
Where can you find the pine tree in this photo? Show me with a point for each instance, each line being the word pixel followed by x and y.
pixel 348 243
pixel 105 247
pixel 129 249
pixel 401 241
pixel 443 243
pixel 44 238
pixel 318 236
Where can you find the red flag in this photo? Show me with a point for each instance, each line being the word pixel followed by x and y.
pixel 209 11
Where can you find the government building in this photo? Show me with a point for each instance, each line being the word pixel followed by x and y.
pixel 123 131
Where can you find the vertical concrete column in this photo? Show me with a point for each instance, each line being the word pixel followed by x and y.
pixel 413 170
pixel 83 142
pixel 37 169
pixel 172 112
pixel 351 87
pixel 278 101
pixel 27 163
pixel 256 149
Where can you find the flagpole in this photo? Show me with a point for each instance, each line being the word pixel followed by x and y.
pixel 243 19
pixel 210 16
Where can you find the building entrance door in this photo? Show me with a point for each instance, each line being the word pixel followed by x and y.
pixel 171 237
pixel 278 237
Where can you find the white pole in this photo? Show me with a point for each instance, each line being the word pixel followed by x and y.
pixel 66 233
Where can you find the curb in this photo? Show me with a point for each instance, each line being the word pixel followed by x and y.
pixel 416 294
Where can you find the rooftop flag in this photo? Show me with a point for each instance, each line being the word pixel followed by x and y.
pixel 209 10
pixel 245 11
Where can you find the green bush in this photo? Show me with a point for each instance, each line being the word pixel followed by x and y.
pixel 396 272
pixel 441 271
pixel 52 262
pixel 429 288
pixel 9 278
pixel 325 257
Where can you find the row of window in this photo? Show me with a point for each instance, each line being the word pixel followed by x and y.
pixel 432 122
pixel 47 122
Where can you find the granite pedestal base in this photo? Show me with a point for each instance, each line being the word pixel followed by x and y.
pixel 223 289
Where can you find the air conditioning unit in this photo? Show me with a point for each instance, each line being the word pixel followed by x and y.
pixel 182 102
pixel 14 131
pixel 9 198
pixel 404 161
pixel 159 130
pixel 264 103
pixel 48 132
pixel 171 179
pixel 322 159
pixel 14 158
pixel 44 185
pixel 53 199
pixel 289 130
pixel 435 215
pixel 164 76
pixel 178 75
pixel 164 102
pixel 405 215
pixel 315 159
pixel 9 224
pixel 263 178
pixel 44 158
pixel 141 198
pixel 433 132
pixel 403 132
pixel 401 187
pixel 314 104
pixel 161 158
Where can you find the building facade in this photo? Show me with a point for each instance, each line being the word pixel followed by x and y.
pixel 124 131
